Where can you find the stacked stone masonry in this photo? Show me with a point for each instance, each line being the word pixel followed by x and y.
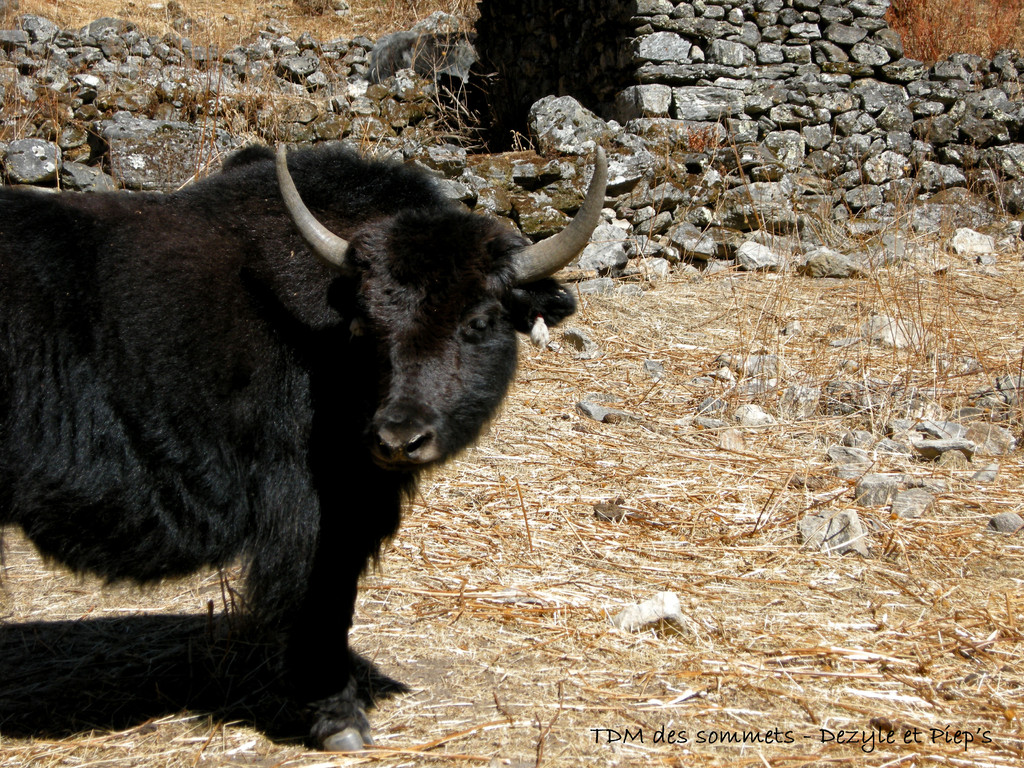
pixel 823 85
pixel 729 124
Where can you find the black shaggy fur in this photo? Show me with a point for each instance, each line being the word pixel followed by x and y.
pixel 183 383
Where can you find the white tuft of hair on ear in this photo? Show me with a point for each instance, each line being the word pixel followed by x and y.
pixel 539 334
pixel 357 327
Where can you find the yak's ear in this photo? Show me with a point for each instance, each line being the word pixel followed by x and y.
pixel 545 298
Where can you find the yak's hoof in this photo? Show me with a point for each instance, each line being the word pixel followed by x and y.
pixel 348 740
pixel 339 722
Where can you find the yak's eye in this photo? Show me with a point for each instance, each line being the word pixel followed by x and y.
pixel 476 328
pixel 358 327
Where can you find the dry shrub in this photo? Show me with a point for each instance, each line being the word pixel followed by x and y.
pixel 704 139
pixel 933 29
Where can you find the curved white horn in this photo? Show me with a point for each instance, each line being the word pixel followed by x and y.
pixel 325 244
pixel 548 256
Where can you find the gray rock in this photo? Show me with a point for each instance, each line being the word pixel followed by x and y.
pixel 32 161
pixel 662 46
pixel 39 29
pixel 844 455
pixel 864 196
pixel 731 54
pixel 933 449
pixel 750 415
pixel 934 177
pixel 13 38
pixel 826 262
pixel 84 178
pixel 1006 522
pixel 991 439
pixel 857 438
pixel 941 430
pixel 886 166
pixel 892 332
pixel 888 445
pixel 912 502
pixel 712 405
pixel 579 342
pixel 754 364
pixel 693 243
pixel 560 124
pixel 662 609
pixel 707 103
pixel 876 489
pixel 654 369
pixel 161 155
pixel 845 35
pixel 986 474
pixel 967 242
pixel 602 413
pixel 606 251
pixel 298 68
pixel 601 286
pixel 639 101
pixel 754 257
pixel 800 402
pixel 841 532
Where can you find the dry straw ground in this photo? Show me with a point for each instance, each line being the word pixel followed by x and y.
pixel 492 603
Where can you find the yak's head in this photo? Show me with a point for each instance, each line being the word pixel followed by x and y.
pixel 441 293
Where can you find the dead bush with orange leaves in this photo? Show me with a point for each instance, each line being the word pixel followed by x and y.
pixel 934 29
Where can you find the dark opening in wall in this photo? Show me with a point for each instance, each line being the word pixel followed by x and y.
pixel 534 48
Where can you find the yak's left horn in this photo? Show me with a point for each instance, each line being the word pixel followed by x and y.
pixel 325 244
pixel 548 256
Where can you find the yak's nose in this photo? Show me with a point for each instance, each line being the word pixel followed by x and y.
pixel 404 438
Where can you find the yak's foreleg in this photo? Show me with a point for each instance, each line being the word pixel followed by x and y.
pixel 317 659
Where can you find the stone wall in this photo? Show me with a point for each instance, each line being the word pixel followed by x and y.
pixel 820 84
pixel 760 134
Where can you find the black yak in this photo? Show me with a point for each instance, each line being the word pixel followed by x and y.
pixel 191 378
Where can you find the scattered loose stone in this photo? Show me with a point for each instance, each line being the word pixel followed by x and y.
pixel 841 532
pixel 991 439
pixel 661 610
pixel 799 402
pixel 941 430
pixel 706 422
pixel 579 341
pixel 33 161
pixel 844 455
pixel 967 242
pixel 732 440
pixel 826 262
pixel 754 257
pixel 710 405
pixel 986 474
pixel 750 415
pixel 610 511
pixel 912 502
pixel 1006 522
pixel 602 413
pixel 606 251
pixel 601 286
pixel 953 460
pixel 875 490
pixel 654 369
pixel 892 332
pixel 933 449
pixel 857 438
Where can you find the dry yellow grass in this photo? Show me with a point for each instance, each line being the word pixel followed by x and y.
pixel 492 603
pixel 230 22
